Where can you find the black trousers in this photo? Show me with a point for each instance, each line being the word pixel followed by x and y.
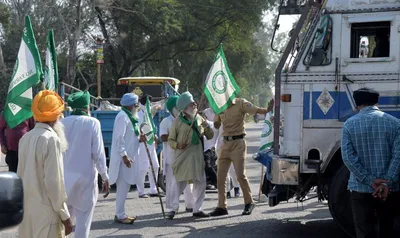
pixel 209 158
pixel 367 211
pixel 12 160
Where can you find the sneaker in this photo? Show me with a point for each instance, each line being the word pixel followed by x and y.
pixel 219 212
pixel 156 195
pixel 126 220
pixel 143 196
pixel 201 214
pixel 248 208
pixel 237 192
pixel 189 210
pixel 171 215
pixel 228 195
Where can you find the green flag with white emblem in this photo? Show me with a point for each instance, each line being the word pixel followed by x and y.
pixel 27 73
pixel 51 69
pixel 220 87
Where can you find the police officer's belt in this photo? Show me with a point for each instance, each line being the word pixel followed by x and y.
pixel 230 138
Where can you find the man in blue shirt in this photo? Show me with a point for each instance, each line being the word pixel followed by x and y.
pixel 371 151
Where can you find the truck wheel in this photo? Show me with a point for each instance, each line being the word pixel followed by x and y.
pixel 339 201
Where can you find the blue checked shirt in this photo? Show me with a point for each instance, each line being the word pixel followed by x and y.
pixel 371 149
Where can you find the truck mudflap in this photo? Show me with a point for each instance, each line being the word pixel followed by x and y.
pixel 281 177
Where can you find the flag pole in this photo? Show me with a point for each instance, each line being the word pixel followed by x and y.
pixel 154 176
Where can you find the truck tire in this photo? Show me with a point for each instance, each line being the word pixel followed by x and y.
pixel 339 201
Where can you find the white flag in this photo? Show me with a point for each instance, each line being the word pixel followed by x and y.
pixel 220 88
pixel 267 135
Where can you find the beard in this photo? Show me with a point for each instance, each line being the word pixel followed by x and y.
pixel 58 127
pixel 135 111
pixel 191 112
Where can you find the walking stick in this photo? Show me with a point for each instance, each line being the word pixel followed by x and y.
pixel 154 176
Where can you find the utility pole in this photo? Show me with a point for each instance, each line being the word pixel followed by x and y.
pixel 99 61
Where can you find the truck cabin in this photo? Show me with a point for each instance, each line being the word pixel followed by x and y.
pixel 337 47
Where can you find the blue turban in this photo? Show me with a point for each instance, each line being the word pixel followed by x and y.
pixel 184 100
pixel 129 99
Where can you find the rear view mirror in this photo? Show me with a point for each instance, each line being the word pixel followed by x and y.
pixel 11 200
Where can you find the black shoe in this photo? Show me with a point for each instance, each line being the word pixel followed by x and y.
pixel 201 214
pixel 156 195
pixel 248 208
pixel 228 195
pixel 171 215
pixel 189 210
pixel 237 192
pixel 219 212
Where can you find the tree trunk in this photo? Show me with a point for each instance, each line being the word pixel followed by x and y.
pixel 3 68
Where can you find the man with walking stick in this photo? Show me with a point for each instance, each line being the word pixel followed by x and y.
pixel 186 138
pixel 172 194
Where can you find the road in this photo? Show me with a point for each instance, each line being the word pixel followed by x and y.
pixel 286 220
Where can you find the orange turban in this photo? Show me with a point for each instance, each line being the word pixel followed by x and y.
pixel 47 106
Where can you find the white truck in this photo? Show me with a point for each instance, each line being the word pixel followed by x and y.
pixel 314 81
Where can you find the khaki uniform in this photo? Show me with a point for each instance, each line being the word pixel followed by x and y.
pixel 234 151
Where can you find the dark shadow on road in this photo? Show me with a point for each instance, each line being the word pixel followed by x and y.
pixel 274 228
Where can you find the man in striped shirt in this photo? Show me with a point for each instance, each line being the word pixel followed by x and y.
pixel 371 151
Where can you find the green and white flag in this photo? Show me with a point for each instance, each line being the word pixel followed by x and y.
pixel 267 135
pixel 51 69
pixel 220 88
pixel 148 119
pixel 27 73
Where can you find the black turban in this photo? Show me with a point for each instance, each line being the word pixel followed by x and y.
pixel 144 98
pixel 365 96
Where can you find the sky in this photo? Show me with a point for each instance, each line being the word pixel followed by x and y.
pixel 286 24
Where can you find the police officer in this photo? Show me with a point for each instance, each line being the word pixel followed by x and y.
pixel 233 150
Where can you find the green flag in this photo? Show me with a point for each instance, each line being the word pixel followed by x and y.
pixel 51 69
pixel 148 119
pixel 220 88
pixel 27 73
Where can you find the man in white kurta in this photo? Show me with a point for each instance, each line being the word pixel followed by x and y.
pixel 83 160
pixel 125 144
pixel 143 158
pixel 172 194
pixel 40 167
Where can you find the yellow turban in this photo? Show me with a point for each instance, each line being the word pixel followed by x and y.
pixel 47 106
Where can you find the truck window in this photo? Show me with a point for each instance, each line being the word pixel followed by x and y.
pixel 370 40
pixel 320 51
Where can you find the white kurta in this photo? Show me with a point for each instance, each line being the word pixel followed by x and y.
pixel 142 156
pixel 209 144
pixel 144 164
pixel 124 142
pixel 83 159
pixel 167 152
pixel 40 167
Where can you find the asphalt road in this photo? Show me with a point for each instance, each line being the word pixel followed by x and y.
pixel 286 220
